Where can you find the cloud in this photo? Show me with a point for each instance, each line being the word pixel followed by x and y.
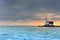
pixel 28 9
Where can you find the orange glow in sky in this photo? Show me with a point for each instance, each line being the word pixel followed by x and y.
pixel 29 23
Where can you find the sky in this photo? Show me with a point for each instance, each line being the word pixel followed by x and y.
pixel 29 12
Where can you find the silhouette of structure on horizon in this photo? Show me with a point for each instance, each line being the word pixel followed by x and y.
pixel 48 23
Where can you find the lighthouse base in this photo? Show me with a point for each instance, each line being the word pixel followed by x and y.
pixel 49 25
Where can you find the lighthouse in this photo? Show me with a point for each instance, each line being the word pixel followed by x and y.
pixel 48 23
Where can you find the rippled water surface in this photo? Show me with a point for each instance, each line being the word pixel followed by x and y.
pixel 29 33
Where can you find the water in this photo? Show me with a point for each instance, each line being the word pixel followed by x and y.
pixel 29 33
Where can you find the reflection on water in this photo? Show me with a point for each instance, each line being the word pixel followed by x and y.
pixel 29 33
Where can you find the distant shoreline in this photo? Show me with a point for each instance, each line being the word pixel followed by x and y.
pixel 48 26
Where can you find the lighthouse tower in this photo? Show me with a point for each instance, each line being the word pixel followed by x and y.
pixel 48 23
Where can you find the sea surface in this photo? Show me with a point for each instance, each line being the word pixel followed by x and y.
pixel 29 33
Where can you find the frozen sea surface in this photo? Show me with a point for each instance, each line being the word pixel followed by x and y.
pixel 29 33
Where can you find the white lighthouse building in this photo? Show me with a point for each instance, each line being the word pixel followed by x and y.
pixel 48 23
